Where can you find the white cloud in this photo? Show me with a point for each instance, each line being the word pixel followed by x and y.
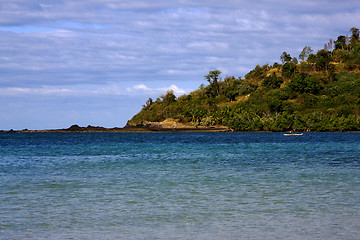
pixel 178 91
pixel 112 41
pixel 42 91
pixel 145 90
pixel 141 87
pixel 90 90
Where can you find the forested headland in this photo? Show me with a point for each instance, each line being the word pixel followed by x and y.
pixel 314 92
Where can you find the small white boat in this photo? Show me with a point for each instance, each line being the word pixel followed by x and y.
pixel 293 134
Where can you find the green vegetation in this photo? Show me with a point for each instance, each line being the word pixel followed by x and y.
pixel 321 93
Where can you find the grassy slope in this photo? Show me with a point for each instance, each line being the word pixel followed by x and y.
pixel 309 96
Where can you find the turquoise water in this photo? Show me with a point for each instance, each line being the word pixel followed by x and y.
pixel 179 186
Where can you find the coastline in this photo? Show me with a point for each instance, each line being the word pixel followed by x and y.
pixel 145 129
pixel 127 129
pixel 168 125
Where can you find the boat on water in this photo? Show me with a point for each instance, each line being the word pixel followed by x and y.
pixel 293 134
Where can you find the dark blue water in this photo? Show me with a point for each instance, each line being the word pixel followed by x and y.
pixel 179 186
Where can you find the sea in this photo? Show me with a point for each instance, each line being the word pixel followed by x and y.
pixel 179 186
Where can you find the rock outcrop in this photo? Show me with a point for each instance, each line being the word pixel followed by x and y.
pixel 174 125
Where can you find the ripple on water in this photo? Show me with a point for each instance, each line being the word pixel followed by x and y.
pixel 187 186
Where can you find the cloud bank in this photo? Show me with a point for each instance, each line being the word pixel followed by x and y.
pixel 64 42
pixel 113 90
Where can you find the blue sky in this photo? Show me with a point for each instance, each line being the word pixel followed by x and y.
pixel 95 62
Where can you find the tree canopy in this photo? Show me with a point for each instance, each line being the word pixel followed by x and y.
pixel 321 93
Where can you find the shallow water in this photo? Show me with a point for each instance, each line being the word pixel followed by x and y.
pixel 179 186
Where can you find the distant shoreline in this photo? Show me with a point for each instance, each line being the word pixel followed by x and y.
pixel 141 129
pixel 126 129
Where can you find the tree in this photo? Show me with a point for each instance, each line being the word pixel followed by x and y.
pixel 323 59
pixel 354 37
pixel 329 46
pixel 258 73
pixel 305 53
pixel 169 96
pixel 294 61
pixel 288 70
pixel 213 78
pixel 339 55
pixel 340 43
pixel 312 60
pixel 232 87
pixel 304 83
pixel 285 57
pixel 148 103
pixel 272 82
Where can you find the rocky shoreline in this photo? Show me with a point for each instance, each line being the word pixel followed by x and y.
pixel 169 125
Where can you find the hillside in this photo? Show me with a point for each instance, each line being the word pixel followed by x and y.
pixel 318 92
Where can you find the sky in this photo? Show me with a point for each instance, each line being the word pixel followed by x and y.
pixel 96 62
